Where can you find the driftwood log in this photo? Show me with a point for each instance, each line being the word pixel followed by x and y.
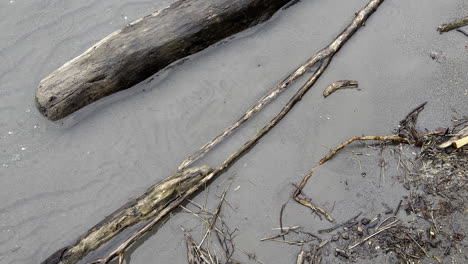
pixel 142 48
pixel 141 209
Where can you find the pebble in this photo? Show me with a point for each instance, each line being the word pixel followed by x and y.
pixel 345 235
pixel 360 230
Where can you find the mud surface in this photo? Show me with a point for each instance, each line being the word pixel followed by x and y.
pixel 59 179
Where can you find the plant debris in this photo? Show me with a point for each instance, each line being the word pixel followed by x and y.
pixel 425 226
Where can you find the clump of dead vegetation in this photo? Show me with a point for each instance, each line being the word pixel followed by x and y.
pixel 425 226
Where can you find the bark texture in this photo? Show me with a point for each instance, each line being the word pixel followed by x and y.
pixel 146 206
pixel 142 48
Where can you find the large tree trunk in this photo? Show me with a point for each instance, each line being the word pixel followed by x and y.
pixel 134 53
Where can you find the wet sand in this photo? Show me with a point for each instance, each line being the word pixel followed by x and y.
pixel 59 179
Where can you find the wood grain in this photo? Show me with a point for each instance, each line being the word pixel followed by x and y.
pixel 142 48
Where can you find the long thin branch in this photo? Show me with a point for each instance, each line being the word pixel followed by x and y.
pixel 329 51
pixel 323 59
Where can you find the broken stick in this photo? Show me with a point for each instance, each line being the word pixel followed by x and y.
pixel 342 84
pixel 453 25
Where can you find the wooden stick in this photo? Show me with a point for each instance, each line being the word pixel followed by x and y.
pixel 144 47
pixel 391 225
pixel 329 51
pixel 453 25
pixel 342 84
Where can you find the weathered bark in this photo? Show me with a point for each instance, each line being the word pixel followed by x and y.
pixel 342 84
pixel 156 198
pixel 134 53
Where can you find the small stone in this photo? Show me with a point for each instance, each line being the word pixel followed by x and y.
pixel 345 235
pixel 365 221
pixel 360 230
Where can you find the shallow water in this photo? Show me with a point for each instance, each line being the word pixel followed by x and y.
pixel 59 179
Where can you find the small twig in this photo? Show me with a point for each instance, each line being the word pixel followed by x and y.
pixel 343 84
pixel 292 243
pixel 392 224
pixel 397 208
pixel 301 257
pixel 281 217
pixel 425 252
pixel 327 158
pixel 462 31
pixel 215 217
pixel 285 228
pixel 328 230
pixel 453 25
pixel 282 234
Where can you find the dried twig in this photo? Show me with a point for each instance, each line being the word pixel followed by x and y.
pixel 282 234
pixel 423 250
pixel 307 202
pixel 215 217
pixel 462 31
pixel 391 225
pixel 453 25
pixel 328 230
pixel 342 84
